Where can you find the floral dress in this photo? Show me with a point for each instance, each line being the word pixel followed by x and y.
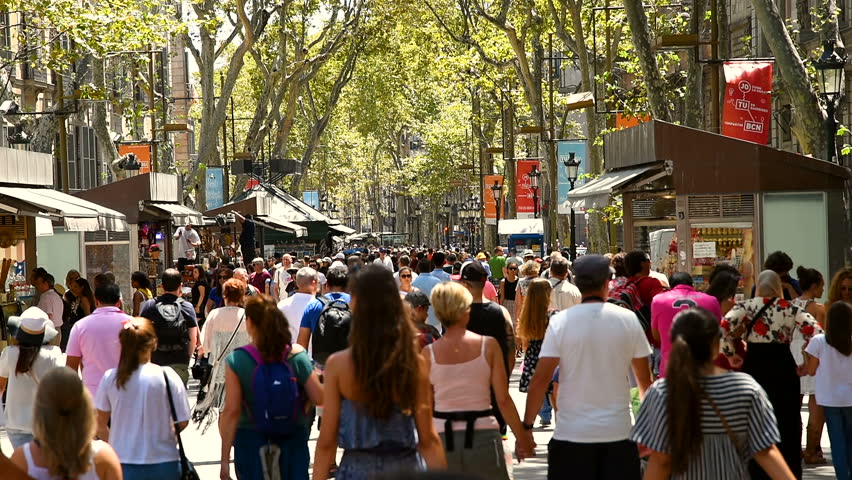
pixel 530 362
pixel 769 361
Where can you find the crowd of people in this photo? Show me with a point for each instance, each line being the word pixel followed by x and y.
pixel 402 358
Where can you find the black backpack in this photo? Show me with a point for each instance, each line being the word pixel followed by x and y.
pixel 170 324
pixel 332 332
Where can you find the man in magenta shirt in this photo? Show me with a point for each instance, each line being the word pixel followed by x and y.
pixel 94 339
pixel 666 306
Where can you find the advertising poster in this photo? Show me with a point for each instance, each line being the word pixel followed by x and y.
pixel 566 150
pixel 215 187
pixel 142 152
pixel 523 190
pixel 490 203
pixel 748 101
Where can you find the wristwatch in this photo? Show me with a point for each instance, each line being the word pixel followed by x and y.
pixel 527 426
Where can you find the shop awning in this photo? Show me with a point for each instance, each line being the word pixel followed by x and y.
pixel 180 214
pixel 78 215
pixel 281 225
pixel 597 193
pixel 342 229
pixel 519 226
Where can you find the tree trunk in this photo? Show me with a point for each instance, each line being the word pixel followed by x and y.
pixel 106 148
pixel 810 117
pixel 694 98
pixel 654 82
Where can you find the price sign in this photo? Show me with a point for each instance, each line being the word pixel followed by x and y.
pixel 704 250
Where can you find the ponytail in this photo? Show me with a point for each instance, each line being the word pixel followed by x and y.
pixel 693 334
pixel 137 337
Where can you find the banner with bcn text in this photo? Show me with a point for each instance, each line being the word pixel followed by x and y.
pixel 490 203
pixel 748 101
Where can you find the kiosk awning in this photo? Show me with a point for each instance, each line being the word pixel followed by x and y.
pixel 342 229
pixel 179 213
pixel 281 225
pixel 78 215
pixel 596 193
pixel 518 226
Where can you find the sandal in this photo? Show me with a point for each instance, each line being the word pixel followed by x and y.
pixel 814 458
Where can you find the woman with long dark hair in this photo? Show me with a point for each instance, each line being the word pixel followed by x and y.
pixel 532 324
pixel 377 391
pixel 831 361
pixel 271 341
pixel 22 366
pixel 63 430
pixel 767 324
pixel 141 290
pixel 701 421
pixel 215 298
pixel 200 293
pixel 133 401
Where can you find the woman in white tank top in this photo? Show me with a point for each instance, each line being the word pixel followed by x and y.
pixel 463 368
pixel 63 425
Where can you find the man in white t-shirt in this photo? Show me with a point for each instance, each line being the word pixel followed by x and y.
pixel 563 294
pixel 187 243
pixel 48 300
pixel 293 307
pixel 595 345
pixel 281 278
pixel 384 260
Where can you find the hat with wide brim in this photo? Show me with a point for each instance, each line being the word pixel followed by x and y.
pixel 33 327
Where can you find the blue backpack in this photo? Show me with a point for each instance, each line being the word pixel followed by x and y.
pixel 275 388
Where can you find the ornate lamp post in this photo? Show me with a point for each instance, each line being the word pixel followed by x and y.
pixel 534 175
pixel 572 166
pixel 829 66
pixel 497 191
pixel 417 213
pixel 448 214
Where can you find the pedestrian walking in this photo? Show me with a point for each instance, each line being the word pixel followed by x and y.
pixel 293 307
pixel 142 292
pixel 200 293
pixel 830 361
pixel 133 401
pixel 498 266
pixel 419 305
pixel 260 278
pixel 703 422
pixel 49 300
pixel 595 345
pixel 331 314
pixel 813 286
pixel 224 331
pixel 781 263
pixel 79 303
pixel 377 391
pixel 187 244
pixel 841 287
pixel 215 299
pixel 766 323
pixel 724 282
pixel 406 278
pixel 532 325
pixel 22 366
pixel 508 291
pixel 463 368
pixel 564 294
pixel 268 385
pixel 64 431
pixel 529 272
pixel 281 279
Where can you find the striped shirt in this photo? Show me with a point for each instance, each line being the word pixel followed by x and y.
pixel 744 405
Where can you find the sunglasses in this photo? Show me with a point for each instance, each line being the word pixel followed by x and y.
pixel 512 269
pixel 846 289
pixel 405 276
pixel 223 277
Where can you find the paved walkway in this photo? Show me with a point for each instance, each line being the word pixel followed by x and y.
pixel 203 450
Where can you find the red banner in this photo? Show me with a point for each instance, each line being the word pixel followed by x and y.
pixel 523 190
pixel 748 101
pixel 490 203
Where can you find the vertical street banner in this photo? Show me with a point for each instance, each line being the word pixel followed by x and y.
pixel 523 189
pixel 568 150
pixel 142 152
pixel 748 101
pixel 490 203
pixel 215 187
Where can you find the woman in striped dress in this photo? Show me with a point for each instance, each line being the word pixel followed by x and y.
pixel 736 421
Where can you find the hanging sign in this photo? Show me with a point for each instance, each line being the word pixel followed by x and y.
pixel 523 189
pixel 490 202
pixel 215 187
pixel 748 101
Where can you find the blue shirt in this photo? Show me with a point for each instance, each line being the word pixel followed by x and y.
pixel 440 275
pixel 425 282
pixel 310 319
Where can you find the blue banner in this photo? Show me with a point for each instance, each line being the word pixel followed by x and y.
pixel 311 197
pixel 565 150
pixel 215 187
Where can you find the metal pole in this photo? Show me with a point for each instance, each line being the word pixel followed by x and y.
pixel 573 247
pixel 154 167
pixel 714 55
pixel 830 130
pixel 63 134
pixel 497 226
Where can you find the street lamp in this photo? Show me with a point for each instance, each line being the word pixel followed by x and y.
pixel 830 69
pixel 572 166
pixel 497 191
pixel 534 174
pixel 417 212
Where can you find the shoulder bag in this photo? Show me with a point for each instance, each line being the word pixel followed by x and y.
pixel 187 470
pixel 202 370
pixel 757 317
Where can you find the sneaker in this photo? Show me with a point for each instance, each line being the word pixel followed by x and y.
pixel 545 423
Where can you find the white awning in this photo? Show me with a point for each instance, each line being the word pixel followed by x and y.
pixel 281 225
pixel 596 193
pixel 517 226
pixel 78 215
pixel 342 229
pixel 179 213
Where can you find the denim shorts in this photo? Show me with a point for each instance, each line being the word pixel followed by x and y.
pixel 159 471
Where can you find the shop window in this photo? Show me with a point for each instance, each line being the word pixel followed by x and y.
pixel 87 162
pixel 5 36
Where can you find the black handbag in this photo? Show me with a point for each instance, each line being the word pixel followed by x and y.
pixel 187 470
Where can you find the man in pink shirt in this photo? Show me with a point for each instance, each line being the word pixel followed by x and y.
pixel 666 306
pixel 94 339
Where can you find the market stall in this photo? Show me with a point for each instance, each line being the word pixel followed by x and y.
pixel 151 203
pixel 694 199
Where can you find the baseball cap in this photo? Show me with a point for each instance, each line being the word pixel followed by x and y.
pixel 529 253
pixel 473 272
pixel 592 269
pixel 340 256
pixel 33 327
pixel 417 299
pixel 326 260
